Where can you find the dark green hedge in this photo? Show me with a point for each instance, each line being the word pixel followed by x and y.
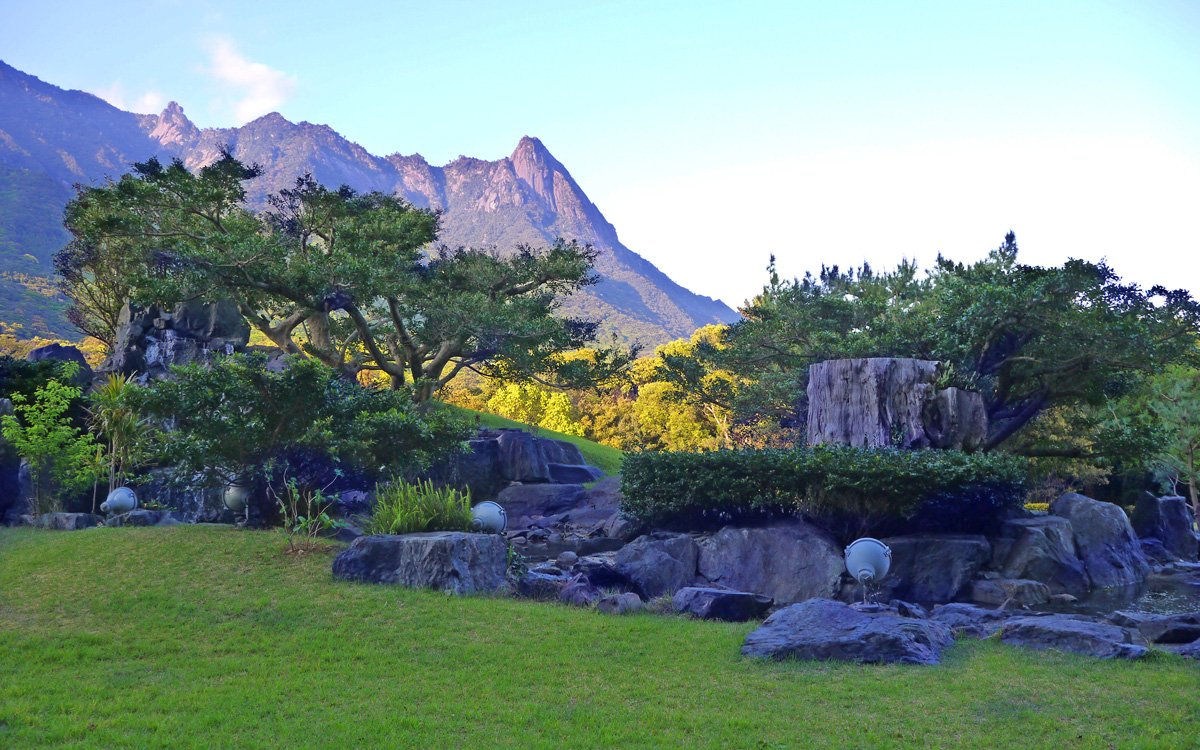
pixel 851 491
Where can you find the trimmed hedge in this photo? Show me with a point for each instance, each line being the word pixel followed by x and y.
pixel 851 491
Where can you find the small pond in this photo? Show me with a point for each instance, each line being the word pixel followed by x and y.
pixel 1162 594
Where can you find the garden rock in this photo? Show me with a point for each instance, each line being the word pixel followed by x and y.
pixel 934 568
pixel 544 583
pixel 1156 554
pixel 720 604
pixel 1041 549
pixel 601 570
pixel 566 559
pixel 143 517
pixel 787 561
pixel 1169 520
pixel 824 629
pixel 573 473
pixel 1190 650
pixel 60 353
pixel 1105 541
pixel 1177 628
pixel 520 458
pixel 970 620
pixel 659 563
pixel 451 561
pixel 579 592
pixel 64 521
pixel 150 340
pixel 1073 635
pixel 524 502
pixel 621 604
pixel 1004 592
pixel 908 609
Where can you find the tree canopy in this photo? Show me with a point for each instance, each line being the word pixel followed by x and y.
pixel 334 275
pixel 1027 337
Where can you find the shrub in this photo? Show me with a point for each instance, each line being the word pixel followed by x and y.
pixel 404 508
pixel 851 491
pixel 305 515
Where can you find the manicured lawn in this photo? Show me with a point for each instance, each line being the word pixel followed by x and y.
pixel 210 637
pixel 603 457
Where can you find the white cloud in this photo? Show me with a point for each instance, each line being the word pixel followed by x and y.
pixel 254 88
pixel 151 102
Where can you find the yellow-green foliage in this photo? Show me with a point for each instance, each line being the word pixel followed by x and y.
pixel 404 508
pixel 538 406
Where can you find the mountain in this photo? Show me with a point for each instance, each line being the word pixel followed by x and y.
pixel 51 138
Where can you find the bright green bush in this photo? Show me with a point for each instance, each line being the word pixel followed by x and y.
pixel 849 490
pixel 404 508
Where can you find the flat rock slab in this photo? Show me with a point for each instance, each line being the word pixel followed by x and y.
pixel 970 620
pixel 720 604
pixel 141 517
pixel 823 629
pixel 1073 635
pixel 1008 591
pixel 1175 629
pixel 451 561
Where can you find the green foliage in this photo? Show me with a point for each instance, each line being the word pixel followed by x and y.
pixel 238 420
pixel 337 276
pixel 1029 338
pixel 851 490
pixel 304 513
pixel 404 508
pixel 117 422
pixel 536 405
pixel 1176 408
pixel 63 460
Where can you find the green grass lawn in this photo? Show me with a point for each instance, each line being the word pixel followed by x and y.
pixel 603 457
pixel 209 637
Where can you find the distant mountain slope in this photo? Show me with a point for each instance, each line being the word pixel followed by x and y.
pixel 51 138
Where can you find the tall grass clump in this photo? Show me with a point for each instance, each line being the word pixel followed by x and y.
pixel 405 508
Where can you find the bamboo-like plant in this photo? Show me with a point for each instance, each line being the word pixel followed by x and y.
pixel 404 508
pixel 119 424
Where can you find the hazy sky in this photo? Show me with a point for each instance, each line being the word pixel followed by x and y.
pixel 712 135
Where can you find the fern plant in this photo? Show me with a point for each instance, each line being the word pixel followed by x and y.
pixel 405 508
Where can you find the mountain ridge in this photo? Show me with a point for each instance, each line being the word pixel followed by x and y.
pixel 51 138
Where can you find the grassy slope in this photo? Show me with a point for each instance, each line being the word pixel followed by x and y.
pixel 603 457
pixel 210 637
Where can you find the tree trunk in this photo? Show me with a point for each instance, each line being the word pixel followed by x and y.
pixel 884 402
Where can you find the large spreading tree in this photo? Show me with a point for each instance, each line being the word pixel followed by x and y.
pixel 1029 338
pixel 342 277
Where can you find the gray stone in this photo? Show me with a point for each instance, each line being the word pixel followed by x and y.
pixel 601 570
pixel 60 353
pixel 346 532
pixel 934 568
pixel 579 592
pixel 659 563
pixel 555 544
pixel 150 340
pixel 970 620
pixel 1005 592
pixel 142 517
pixel 530 501
pixel 64 521
pixel 1105 541
pixel 1073 635
pixel 573 473
pixel 788 561
pixel 1169 520
pixel 621 604
pixel 519 457
pixel 824 629
pixel 1177 628
pixel 908 609
pixel 1156 554
pixel 720 604
pixel 1190 650
pixel 566 559
pixel 451 561
pixel 542 583
pixel 1041 549
pixel 559 452
pixel 621 526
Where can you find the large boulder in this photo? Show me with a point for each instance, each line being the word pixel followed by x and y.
pixel 720 604
pixel 824 629
pixel 151 340
pixel 1175 629
pixel 1170 521
pixel 1073 635
pixel 451 561
pixel 787 561
pixel 520 458
pixel 934 567
pixel 658 564
pixel 1041 549
pixel 60 353
pixel 523 502
pixel 1105 541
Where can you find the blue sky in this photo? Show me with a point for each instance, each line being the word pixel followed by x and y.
pixel 713 134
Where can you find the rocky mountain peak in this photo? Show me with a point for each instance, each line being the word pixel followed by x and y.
pixel 173 128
